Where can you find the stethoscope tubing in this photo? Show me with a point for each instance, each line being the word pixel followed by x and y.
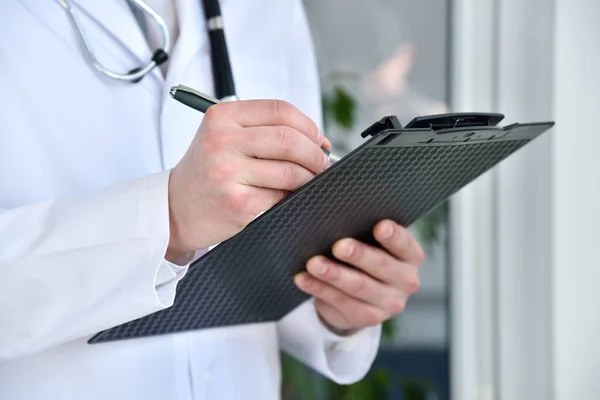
pixel 221 64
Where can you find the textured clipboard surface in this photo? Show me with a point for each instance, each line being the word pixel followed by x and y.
pixel 248 278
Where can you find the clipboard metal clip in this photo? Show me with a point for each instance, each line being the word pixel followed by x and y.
pixel 455 120
pixel 435 122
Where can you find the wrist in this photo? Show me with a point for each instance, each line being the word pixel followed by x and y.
pixel 336 330
pixel 177 250
pixel 180 259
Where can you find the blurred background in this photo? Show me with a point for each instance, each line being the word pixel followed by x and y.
pixel 505 307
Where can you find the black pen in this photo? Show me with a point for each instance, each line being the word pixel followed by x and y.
pixel 201 102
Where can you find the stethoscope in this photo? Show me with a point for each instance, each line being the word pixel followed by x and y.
pixel 222 74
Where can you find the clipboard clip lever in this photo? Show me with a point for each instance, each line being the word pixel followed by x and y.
pixel 384 124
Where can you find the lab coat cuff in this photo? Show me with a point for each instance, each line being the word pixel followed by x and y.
pixel 168 276
pixel 168 273
pixel 349 357
pixel 343 359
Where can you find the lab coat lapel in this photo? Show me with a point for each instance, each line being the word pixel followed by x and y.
pixel 117 19
pixel 192 39
pixel 190 66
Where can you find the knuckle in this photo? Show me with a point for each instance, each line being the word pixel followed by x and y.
pixel 284 139
pixel 382 264
pixel 289 175
pixel 280 109
pixel 215 141
pixel 373 316
pixel 279 195
pixel 274 197
pixel 316 288
pixel 412 285
pixel 236 199
pixel 396 305
pixel 313 131
pixel 404 240
pixel 243 220
pixel 334 274
pixel 351 250
pixel 359 284
pixel 357 251
pixel 340 299
pixel 220 173
pixel 420 254
pixel 318 159
pixel 212 113
pixel 216 112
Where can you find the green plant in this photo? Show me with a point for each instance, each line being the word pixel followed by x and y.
pixel 340 107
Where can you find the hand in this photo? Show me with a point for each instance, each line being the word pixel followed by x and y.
pixel 377 288
pixel 246 157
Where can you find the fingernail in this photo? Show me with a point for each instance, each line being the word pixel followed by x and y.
pixel 326 161
pixel 348 249
pixel 387 231
pixel 302 280
pixel 320 268
pixel 320 137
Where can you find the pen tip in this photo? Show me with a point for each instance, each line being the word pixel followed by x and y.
pixel 173 91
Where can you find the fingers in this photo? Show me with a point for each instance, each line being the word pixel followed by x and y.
pixel 327 144
pixel 399 242
pixel 262 199
pixel 244 203
pixel 283 143
pixel 396 264
pixel 271 174
pixel 357 284
pixel 257 113
pixel 351 312
pixel 373 261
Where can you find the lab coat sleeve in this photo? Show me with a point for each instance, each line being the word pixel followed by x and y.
pixel 73 267
pixel 344 360
pixel 301 333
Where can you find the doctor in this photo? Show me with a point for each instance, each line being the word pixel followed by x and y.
pixel 108 189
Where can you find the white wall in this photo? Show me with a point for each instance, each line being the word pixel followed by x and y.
pixel 535 331
pixel 523 194
pixel 474 58
pixel 576 200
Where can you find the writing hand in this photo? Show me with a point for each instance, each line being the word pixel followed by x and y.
pixel 246 157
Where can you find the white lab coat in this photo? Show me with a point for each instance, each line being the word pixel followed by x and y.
pixel 84 220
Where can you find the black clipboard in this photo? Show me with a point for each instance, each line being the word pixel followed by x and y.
pixel 399 173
